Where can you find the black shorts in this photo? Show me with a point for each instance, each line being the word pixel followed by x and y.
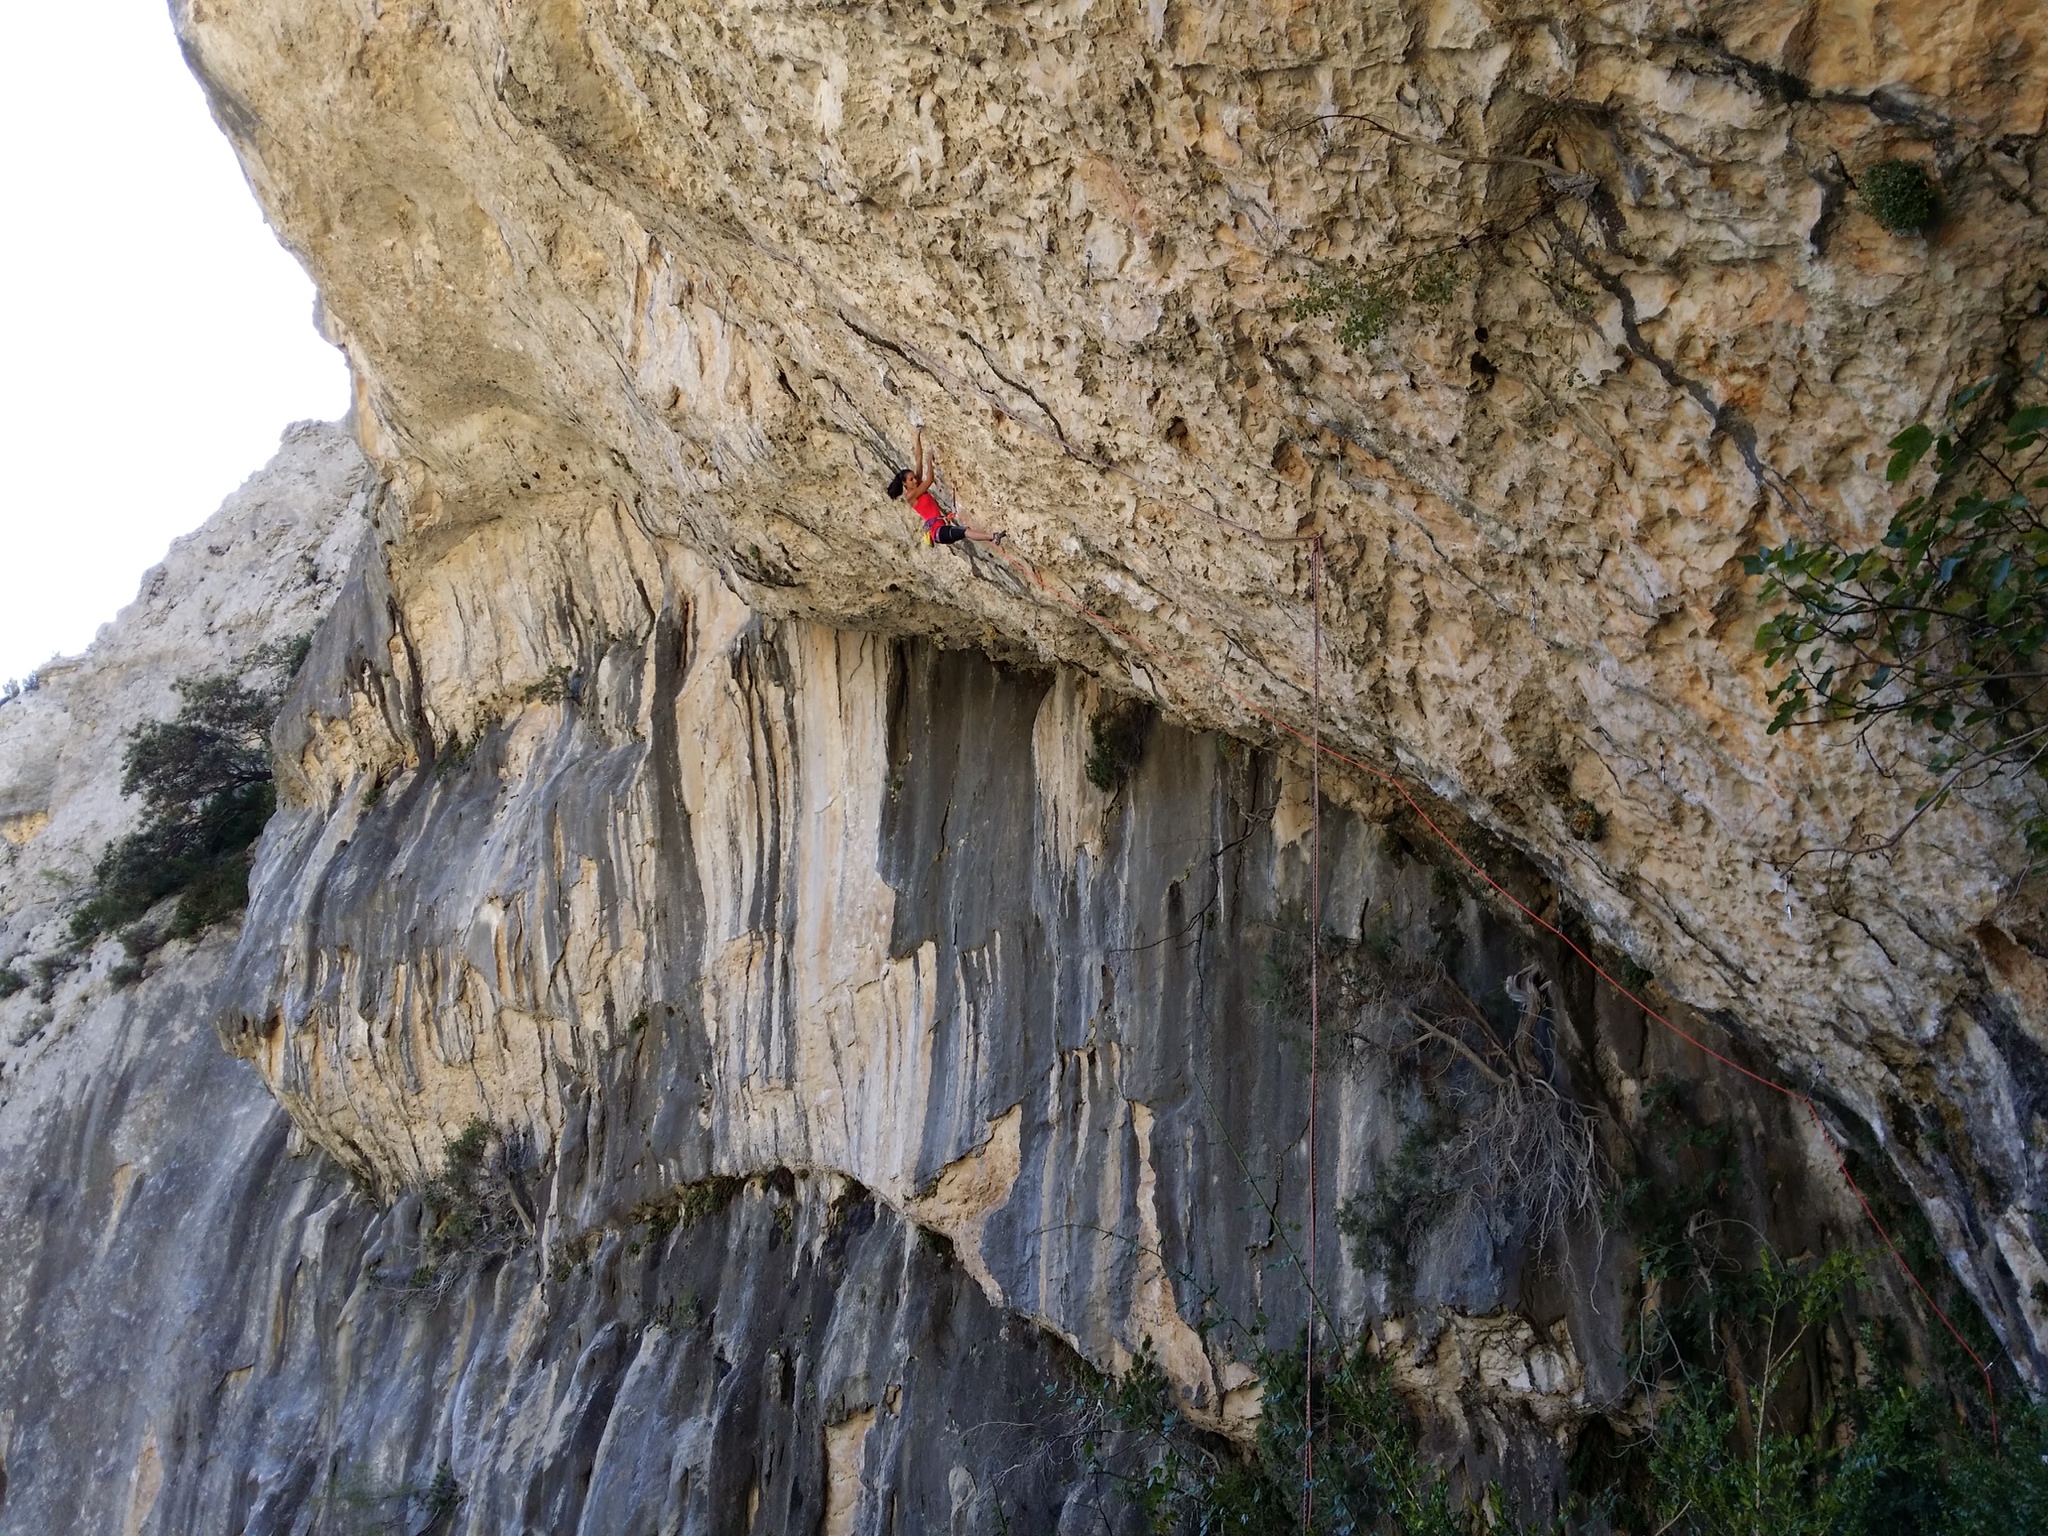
pixel 945 533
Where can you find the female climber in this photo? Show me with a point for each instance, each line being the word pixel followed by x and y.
pixel 914 485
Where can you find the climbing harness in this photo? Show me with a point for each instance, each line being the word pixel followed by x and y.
pixel 947 518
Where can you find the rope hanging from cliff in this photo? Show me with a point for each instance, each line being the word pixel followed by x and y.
pixel 1318 749
pixel 1315 1018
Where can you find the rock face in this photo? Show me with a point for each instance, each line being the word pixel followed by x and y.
pixel 622 285
pixel 854 1052
pixel 204 1326
pixel 265 568
pixel 650 798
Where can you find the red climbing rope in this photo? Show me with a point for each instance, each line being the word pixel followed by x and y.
pixel 1317 749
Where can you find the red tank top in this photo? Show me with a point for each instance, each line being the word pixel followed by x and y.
pixel 929 509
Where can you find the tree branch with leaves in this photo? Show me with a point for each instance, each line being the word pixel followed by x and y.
pixel 1944 622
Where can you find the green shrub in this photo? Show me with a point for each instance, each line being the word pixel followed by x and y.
pixel 1900 1462
pixel 1407 1196
pixel 1759 1424
pixel 1116 741
pixel 1945 621
pixel 354 1504
pixel 11 981
pixel 48 970
pixel 551 689
pixel 1370 1474
pixel 454 754
pixel 474 1209
pixel 442 1495
pixel 1632 973
pixel 1900 196
pixel 1585 821
pixel 1366 303
pixel 685 1206
pixel 1913 1466
pixel 460 1201
pixel 204 779
pixel 284 657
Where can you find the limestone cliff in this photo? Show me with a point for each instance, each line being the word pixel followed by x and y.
pixel 640 299
pixel 854 1066
pixel 852 1051
pixel 205 1326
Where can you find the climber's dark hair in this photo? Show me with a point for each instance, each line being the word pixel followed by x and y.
pixel 896 485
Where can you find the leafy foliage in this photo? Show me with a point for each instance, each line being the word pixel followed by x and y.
pixel 11 982
pixel 1914 1467
pixel 1899 1461
pixel 1405 1201
pixel 352 1504
pixel 1116 741
pixel 204 779
pixel 1945 621
pixel 685 1206
pixel 1760 1424
pixel 1900 196
pixel 1716 1463
pixel 1366 303
pixel 1369 1473
pixel 474 1211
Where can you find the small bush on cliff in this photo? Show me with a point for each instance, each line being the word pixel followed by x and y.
pixel 651 1221
pixel 353 1504
pixel 1130 1433
pixel 204 778
pixel 474 1211
pixel 474 1206
pixel 1900 196
pixel 1367 302
pixel 1945 621
pixel 1116 741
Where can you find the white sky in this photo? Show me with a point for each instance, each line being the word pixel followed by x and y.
pixel 155 339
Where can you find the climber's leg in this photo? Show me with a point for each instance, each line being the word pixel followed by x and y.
pixel 953 533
